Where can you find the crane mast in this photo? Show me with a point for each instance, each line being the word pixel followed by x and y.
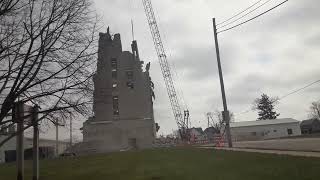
pixel 165 69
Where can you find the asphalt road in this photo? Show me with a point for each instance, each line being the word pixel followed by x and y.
pixel 295 147
pixel 299 144
pixel 282 152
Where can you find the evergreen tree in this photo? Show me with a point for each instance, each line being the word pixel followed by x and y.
pixel 265 106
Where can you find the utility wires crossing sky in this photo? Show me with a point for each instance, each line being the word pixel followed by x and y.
pixel 286 95
pixel 228 21
pixel 239 13
pixel 219 27
pixel 227 29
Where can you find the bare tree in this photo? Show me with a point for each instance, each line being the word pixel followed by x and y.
pixel 315 110
pixel 47 55
pixel 8 6
pixel 216 119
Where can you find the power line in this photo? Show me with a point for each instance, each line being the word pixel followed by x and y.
pixel 239 13
pixel 286 95
pixel 297 90
pixel 244 14
pixel 253 17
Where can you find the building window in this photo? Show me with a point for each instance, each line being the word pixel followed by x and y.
pixel 289 131
pixel 129 75
pixel 253 133
pixel 115 105
pixel 130 85
pixel 114 74
pixel 114 85
pixel 113 63
pixel 275 130
pixel 114 68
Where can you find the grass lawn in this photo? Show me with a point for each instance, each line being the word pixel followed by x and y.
pixel 178 164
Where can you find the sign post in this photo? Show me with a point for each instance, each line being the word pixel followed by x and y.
pixel 17 114
pixel 35 150
pixel 23 114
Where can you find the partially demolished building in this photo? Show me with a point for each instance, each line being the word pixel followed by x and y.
pixel 123 100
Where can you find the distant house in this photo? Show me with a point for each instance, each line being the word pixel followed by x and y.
pixel 264 129
pixel 211 132
pixel 196 134
pixel 310 126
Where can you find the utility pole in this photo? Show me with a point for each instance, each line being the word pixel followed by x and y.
pixel 226 115
pixel 57 124
pixel 18 115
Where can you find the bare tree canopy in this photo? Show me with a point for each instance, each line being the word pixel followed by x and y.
pixel 47 55
pixel 215 119
pixel 315 110
pixel 8 6
pixel 265 107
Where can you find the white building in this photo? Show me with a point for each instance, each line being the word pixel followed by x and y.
pixel 264 129
pixel 28 143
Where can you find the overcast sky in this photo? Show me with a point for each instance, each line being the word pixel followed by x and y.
pixel 274 54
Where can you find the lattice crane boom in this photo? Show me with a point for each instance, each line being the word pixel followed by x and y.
pixel 165 68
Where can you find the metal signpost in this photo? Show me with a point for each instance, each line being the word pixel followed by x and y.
pixel 24 114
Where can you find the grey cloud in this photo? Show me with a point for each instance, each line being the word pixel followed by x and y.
pixel 300 14
pixel 252 86
pixel 313 41
pixel 201 62
pixel 273 54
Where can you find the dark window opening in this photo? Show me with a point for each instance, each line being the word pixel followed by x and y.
pixel 114 74
pixel 115 105
pixel 113 63
pixel 129 75
pixel 116 112
pixel 114 68
pixel 130 85
pixel 289 131
pixel 253 133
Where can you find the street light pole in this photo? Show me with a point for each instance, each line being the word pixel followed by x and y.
pixel 70 133
pixel 226 115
